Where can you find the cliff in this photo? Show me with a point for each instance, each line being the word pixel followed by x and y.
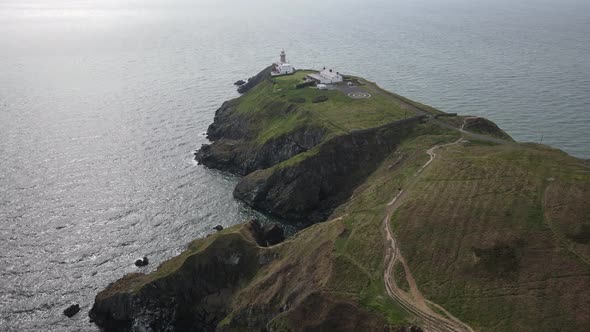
pixel 310 187
pixel 414 220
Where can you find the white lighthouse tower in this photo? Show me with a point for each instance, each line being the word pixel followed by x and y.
pixel 282 67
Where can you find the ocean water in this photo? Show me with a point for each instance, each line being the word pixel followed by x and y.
pixel 103 102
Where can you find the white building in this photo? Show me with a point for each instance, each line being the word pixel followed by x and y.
pixel 326 76
pixel 282 67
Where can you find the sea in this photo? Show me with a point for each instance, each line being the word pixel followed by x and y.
pixel 103 102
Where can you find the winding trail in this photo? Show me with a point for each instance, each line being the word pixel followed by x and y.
pixel 413 301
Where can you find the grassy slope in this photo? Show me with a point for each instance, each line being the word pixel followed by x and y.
pixel 483 239
pixel 361 245
pixel 339 114
pixel 341 258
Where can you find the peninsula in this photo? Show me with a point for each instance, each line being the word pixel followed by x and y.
pixel 411 219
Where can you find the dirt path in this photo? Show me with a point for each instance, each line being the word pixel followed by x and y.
pixel 413 300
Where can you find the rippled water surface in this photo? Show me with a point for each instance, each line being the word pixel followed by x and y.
pixel 102 103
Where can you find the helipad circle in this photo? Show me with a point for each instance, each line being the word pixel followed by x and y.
pixel 359 95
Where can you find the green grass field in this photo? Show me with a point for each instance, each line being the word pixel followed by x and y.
pixel 272 104
pixel 476 234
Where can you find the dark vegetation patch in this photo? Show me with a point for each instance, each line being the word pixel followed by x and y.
pixel 298 100
pixel 373 299
pixel 304 85
pixel 499 260
pixel 319 99
pixel 474 142
pixel 580 234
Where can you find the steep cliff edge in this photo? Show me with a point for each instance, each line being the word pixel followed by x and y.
pixel 189 292
pixel 309 187
pixel 486 127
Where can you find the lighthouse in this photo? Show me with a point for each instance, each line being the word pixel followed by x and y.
pixel 282 67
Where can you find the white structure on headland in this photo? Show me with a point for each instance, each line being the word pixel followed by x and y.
pixel 282 67
pixel 326 76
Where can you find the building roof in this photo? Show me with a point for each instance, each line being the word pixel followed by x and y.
pixel 317 77
pixel 329 74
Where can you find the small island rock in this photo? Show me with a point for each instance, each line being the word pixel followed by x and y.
pixel 218 228
pixel 142 262
pixel 240 82
pixel 72 310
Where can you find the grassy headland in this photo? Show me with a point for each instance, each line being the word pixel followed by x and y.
pixel 497 234
pixel 338 114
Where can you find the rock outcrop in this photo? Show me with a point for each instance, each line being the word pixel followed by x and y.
pixel 253 81
pixel 266 235
pixel 228 282
pixel 142 262
pixel 188 293
pixel 485 127
pixel 232 153
pixel 72 310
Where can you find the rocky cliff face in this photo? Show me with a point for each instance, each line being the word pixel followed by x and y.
pixel 235 147
pixel 189 293
pixel 232 152
pixel 308 190
pixel 253 81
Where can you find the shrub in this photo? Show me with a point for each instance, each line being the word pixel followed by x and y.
pixel 298 100
pixel 319 99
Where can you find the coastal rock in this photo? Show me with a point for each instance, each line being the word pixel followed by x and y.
pixel 486 127
pixel 253 81
pixel 72 310
pixel 142 262
pixel 265 235
pixel 218 228
pixel 240 82
pixel 191 292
